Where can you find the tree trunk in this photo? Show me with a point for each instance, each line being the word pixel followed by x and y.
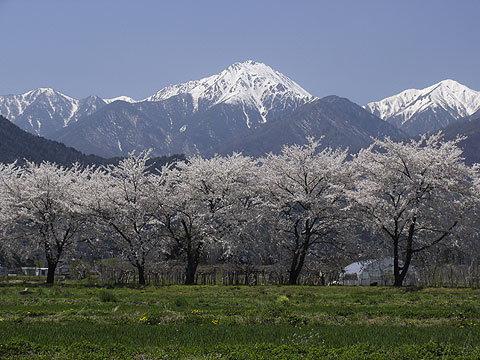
pixel 192 263
pixel 399 279
pixel 190 272
pixel 296 267
pixel 141 275
pixel 400 273
pixel 396 268
pixel 293 276
pixel 52 265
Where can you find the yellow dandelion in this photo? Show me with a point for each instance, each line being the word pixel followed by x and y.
pixel 215 322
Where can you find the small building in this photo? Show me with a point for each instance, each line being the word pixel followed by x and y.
pixel 34 271
pixel 373 272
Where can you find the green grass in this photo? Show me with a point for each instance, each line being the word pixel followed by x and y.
pixel 223 322
pixel 205 335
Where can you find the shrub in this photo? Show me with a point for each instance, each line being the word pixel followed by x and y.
pixel 283 300
pixel 180 301
pixel 107 296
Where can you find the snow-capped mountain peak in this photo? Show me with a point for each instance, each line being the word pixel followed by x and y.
pixel 429 109
pixel 45 91
pixel 253 91
pixel 43 111
pixel 453 94
pixel 48 100
pixel 121 98
pixel 250 83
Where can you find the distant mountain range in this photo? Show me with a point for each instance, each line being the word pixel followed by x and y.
pixel 448 106
pixel 19 145
pixel 427 110
pixel 247 107
pixel 44 111
pixel 339 121
pixel 471 129
pixel 189 118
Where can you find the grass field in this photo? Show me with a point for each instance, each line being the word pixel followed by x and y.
pixel 73 321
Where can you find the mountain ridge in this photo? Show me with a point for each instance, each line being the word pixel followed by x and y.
pixel 19 145
pixel 259 88
pixel 418 111
pixel 234 106
pixel 250 83
pixel 338 120
pixel 191 118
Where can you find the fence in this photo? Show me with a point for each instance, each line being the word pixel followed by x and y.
pixel 211 275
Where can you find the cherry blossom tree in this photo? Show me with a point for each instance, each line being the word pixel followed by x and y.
pixel 413 195
pixel 206 201
pixel 303 190
pixel 120 199
pixel 8 175
pixel 44 212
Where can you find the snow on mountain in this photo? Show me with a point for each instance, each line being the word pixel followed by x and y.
pixel 44 110
pixel 13 106
pixel 192 117
pixel 429 109
pixel 249 84
pixel 121 98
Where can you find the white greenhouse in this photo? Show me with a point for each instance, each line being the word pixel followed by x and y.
pixel 373 272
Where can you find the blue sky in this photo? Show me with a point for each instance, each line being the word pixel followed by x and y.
pixel 362 50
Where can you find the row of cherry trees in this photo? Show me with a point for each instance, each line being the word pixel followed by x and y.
pixel 301 204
